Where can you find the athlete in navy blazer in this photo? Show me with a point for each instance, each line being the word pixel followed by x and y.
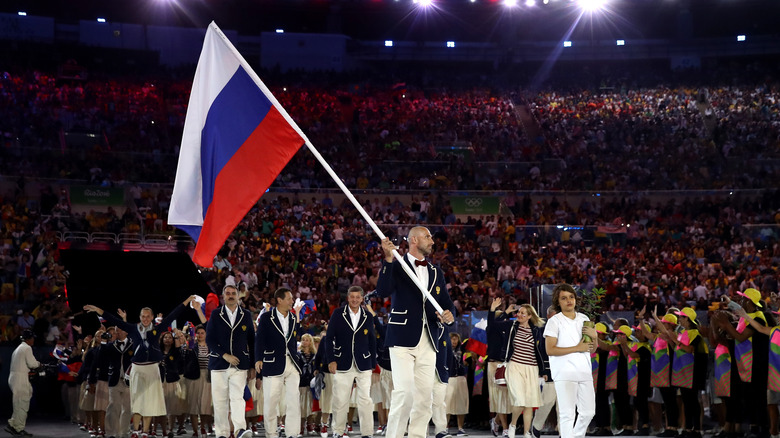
pixel 271 345
pixel 349 343
pixel 230 337
pixel 351 358
pixel 237 339
pixel 412 332
pixel 279 363
pixel 405 321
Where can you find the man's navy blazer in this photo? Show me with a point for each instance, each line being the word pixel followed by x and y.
pixel 405 321
pixel 272 346
pixel 443 355
pixel 237 339
pixel 351 343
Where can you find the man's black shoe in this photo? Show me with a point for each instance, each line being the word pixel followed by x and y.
pixel 244 433
pixel 536 432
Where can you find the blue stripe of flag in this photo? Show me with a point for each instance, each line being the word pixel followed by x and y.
pixel 233 116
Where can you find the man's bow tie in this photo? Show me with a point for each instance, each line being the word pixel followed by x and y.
pixel 421 263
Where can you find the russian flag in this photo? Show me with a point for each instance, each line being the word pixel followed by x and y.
pixel 309 306
pixel 477 342
pixel 237 139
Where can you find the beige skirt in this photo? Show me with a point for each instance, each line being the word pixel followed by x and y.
pixel 376 389
pixel 386 385
pixel 206 406
pixel 175 397
pixel 86 398
pixel 498 395
pixel 327 394
pixel 146 393
pixel 257 398
pixel 306 400
pixel 101 396
pixel 523 384
pixel 194 394
pixel 457 398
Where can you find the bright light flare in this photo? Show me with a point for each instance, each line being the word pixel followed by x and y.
pixel 592 5
pixel 510 3
pixel 741 38
pixel 530 3
pixel 423 3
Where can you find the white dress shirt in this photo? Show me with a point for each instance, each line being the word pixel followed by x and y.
pixel 284 321
pixel 355 317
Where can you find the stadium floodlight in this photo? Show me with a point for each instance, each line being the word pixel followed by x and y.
pixel 22 13
pixel 279 30
pixel 388 43
pixel 546 1
pixel 450 44
pixel 591 5
pixel 510 3
pixel 473 1
pixel 740 38
pixel 567 44
pixel 101 20
pixel 621 42
pixel 530 3
pixel 424 3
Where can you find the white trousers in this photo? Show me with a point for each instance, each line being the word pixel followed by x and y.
pixel 413 377
pixel 22 393
pixel 575 399
pixel 227 394
pixel 276 387
pixel 118 412
pixel 342 386
pixel 439 407
pixel 548 402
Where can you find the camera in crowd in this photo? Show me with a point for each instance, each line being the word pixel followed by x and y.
pixel 368 296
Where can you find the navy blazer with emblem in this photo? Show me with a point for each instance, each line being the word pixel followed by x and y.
pixel 350 344
pixel 443 355
pixel 237 339
pixel 119 361
pixel 272 346
pixel 405 320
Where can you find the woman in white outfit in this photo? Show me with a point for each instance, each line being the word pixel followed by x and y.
pixel 570 363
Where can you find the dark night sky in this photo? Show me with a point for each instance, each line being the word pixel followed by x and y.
pixel 484 20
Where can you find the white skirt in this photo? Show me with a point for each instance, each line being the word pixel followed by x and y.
pixel 523 384
pixel 457 398
pixel 146 393
pixel 498 395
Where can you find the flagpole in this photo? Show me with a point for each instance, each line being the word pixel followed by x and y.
pixel 423 288
pixel 373 225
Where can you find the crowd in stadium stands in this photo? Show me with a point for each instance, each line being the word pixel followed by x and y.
pixel 674 138
pixel 691 252
pixel 680 253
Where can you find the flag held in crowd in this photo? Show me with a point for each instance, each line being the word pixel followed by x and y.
pixel 236 140
pixel 477 342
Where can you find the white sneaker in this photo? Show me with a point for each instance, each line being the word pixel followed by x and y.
pixel 511 432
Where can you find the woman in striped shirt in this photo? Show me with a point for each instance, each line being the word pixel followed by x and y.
pixel 523 359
